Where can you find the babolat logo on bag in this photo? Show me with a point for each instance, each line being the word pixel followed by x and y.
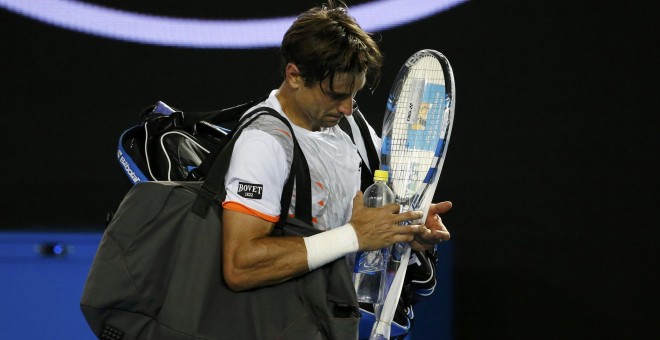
pixel 249 190
pixel 127 167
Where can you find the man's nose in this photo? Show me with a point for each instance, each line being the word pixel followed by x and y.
pixel 346 107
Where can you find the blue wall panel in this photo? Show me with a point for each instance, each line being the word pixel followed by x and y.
pixel 41 292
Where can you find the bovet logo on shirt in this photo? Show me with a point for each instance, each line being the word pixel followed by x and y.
pixel 249 190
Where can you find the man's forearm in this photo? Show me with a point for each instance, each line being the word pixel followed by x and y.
pixel 264 261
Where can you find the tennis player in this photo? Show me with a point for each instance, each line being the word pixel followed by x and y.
pixel 326 59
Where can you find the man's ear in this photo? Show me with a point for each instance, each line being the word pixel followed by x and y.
pixel 292 76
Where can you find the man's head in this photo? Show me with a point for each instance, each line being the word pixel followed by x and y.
pixel 325 41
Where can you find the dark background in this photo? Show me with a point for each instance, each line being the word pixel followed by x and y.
pixel 553 164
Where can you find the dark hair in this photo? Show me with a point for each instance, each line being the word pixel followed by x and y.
pixel 326 40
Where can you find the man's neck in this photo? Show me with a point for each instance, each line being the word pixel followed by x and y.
pixel 285 96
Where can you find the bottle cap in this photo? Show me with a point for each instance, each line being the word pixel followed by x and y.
pixel 380 175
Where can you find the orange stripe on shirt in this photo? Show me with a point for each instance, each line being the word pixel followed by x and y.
pixel 238 207
pixel 284 132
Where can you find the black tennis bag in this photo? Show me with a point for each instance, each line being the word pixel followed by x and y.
pixel 157 274
pixel 169 145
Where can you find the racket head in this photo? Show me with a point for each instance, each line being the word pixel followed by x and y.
pixel 417 126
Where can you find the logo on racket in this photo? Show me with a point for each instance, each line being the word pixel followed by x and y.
pixel 415 58
pixel 413 106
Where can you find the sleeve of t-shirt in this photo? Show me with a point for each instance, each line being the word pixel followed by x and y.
pixel 256 175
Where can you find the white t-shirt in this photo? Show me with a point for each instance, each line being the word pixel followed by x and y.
pixel 261 161
pixel 359 139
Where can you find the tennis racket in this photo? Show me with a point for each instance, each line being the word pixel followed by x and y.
pixel 416 128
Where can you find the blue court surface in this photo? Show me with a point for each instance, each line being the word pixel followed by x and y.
pixel 43 274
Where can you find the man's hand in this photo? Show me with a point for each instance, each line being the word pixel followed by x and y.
pixel 433 231
pixel 379 227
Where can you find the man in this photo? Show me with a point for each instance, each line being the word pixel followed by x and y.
pixel 327 59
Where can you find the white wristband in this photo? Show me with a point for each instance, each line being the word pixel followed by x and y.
pixel 330 245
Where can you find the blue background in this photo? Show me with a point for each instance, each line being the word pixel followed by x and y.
pixel 41 292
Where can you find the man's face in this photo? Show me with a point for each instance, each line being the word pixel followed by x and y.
pixel 322 106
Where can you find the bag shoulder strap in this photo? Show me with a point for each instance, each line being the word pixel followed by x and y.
pixel 372 154
pixel 226 115
pixel 179 119
pixel 213 187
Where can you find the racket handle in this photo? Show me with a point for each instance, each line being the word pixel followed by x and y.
pixel 383 324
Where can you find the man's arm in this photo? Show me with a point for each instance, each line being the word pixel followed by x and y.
pixel 252 258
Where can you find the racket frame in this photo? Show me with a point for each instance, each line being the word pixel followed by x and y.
pixel 423 196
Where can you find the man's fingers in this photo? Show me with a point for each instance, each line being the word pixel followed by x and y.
pixel 440 208
pixel 410 216
pixel 358 198
pixel 406 233
pixel 394 208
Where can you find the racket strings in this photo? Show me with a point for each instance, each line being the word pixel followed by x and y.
pixel 416 128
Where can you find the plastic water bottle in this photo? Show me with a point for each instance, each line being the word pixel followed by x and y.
pixel 369 270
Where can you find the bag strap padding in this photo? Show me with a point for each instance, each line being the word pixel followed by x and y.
pixel 213 191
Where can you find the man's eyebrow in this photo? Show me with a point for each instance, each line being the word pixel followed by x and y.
pixel 331 91
pixel 346 94
pixel 340 94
